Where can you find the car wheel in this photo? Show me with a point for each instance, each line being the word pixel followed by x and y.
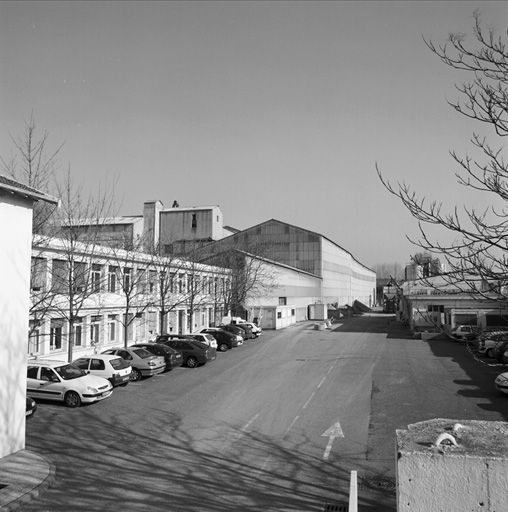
pixel 191 362
pixel 135 375
pixel 72 399
pixel 222 347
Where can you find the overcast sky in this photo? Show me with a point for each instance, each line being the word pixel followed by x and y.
pixel 267 109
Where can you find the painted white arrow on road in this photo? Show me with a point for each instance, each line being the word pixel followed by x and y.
pixel 333 432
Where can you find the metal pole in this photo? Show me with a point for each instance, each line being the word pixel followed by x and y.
pixel 353 493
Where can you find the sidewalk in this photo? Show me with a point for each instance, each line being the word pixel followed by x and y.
pixel 23 475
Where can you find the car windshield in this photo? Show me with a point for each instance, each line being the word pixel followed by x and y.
pixel 119 363
pixel 143 353
pixel 69 371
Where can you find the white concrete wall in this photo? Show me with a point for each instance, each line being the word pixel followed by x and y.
pixel 16 237
pixel 469 476
pixel 299 288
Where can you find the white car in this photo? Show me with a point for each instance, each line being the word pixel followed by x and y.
pixel 501 382
pixel 488 343
pixel 57 380
pixel 463 332
pixel 113 368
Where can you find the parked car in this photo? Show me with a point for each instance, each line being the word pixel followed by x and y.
pixel 194 352
pixel 114 368
pixel 56 380
pixel 144 363
pixel 488 342
pixel 247 331
pixel 501 382
pixel 256 330
pixel 173 357
pixel 207 339
pixel 233 329
pixel 464 333
pixel 500 352
pixel 225 339
pixel 31 407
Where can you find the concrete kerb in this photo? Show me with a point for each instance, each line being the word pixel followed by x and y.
pixel 23 476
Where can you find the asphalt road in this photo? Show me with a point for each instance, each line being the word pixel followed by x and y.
pixel 274 425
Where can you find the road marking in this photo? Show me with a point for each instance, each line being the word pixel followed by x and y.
pixel 334 431
pixel 321 383
pixel 248 424
pixel 308 400
pixel 291 425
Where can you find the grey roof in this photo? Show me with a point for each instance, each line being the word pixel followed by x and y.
pixel 18 188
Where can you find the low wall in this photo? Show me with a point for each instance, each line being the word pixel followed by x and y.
pixel 452 465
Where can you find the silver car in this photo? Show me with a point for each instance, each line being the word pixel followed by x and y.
pixel 144 364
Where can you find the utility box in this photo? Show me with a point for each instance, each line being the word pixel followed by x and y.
pixel 452 465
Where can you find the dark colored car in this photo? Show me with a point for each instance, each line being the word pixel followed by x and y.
pixel 225 339
pixel 31 407
pixel 194 352
pixel 173 357
pixel 247 331
pixel 234 329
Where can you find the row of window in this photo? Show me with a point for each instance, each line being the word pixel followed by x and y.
pixel 115 279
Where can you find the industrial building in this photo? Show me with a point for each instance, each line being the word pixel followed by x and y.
pixel 307 268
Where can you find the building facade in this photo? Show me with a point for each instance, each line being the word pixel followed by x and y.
pixel 435 305
pixel 99 298
pixel 308 267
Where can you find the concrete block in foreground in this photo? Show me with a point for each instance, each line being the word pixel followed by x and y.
pixel 452 465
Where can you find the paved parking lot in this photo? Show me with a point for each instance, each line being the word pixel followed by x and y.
pixel 245 432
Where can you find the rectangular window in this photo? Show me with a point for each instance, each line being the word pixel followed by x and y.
pixel 194 223
pixel 152 281
pixel 181 283
pixel 94 329
pixel 96 278
pixel 282 301
pixel 141 280
pixel 59 276
pixel 79 277
pixel 279 314
pixel 55 334
pixel 172 279
pixel 127 279
pixel 78 329
pixel 112 279
pixel 112 319
pixel 38 274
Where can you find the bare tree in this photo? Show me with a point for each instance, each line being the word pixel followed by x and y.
pixel 72 274
pixel 33 162
pixel 130 269
pixel 251 276
pixel 171 274
pixel 477 254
